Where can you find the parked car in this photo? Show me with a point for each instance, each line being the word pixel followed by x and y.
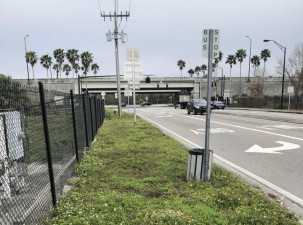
pixel 197 106
pixel 218 105
pixel 145 103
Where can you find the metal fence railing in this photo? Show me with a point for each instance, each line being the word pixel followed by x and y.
pixel 268 102
pixel 42 134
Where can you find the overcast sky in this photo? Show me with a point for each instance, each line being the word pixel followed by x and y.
pixel 164 31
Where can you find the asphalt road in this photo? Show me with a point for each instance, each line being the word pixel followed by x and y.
pixel 265 146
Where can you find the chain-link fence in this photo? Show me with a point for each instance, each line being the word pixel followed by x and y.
pixel 42 134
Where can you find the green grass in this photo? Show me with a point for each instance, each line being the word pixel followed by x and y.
pixel 136 175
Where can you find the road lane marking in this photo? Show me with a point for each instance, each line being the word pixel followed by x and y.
pixel 245 128
pixel 279 127
pixel 285 146
pixel 212 131
pixel 164 116
pixel 270 185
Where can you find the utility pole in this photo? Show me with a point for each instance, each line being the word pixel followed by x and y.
pixel 116 37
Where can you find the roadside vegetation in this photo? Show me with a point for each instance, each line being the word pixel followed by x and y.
pixel 136 175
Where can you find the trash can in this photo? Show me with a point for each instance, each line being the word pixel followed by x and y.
pixel 195 168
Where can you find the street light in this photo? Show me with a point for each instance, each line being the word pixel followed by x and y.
pixel 25 56
pixel 249 57
pixel 283 75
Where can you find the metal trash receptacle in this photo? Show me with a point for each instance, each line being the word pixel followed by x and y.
pixel 195 168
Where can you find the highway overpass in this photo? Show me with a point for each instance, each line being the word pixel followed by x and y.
pixel 192 85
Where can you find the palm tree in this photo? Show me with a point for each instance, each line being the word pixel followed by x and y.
pixel 181 65
pixel 255 60
pixel 72 57
pixel 219 59
pixel 191 72
pixel 66 69
pixel 46 62
pixel 265 54
pixel 32 59
pixel 59 56
pixel 240 56
pixel 86 60
pixel 56 67
pixel 231 60
pixel 214 66
pixel 76 67
pixel 95 67
pixel 197 70
pixel 203 68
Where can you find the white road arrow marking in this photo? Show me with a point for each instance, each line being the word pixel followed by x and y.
pixel 285 146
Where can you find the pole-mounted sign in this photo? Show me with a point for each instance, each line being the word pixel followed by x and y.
pixel 210 50
pixel 205 43
pixel 133 71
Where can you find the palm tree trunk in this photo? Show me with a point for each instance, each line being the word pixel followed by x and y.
pixel 240 87
pixel 47 73
pixel 263 79
pixel 230 82
pixel 33 73
pixel 50 69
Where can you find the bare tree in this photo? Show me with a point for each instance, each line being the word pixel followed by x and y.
pixel 294 69
pixel 256 88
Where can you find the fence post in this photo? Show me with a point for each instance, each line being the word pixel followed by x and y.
pixel 96 115
pixel 47 144
pixel 85 123
pixel 103 110
pixel 91 117
pixel 74 125
pixel 99 112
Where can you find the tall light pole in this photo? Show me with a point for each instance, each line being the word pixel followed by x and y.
pixel 283 74
pixel 249 57
pixel 25 56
